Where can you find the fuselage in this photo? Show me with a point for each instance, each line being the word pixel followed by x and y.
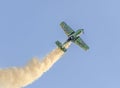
pixel 75 35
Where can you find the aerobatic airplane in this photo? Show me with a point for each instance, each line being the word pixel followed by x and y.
pixel 72 36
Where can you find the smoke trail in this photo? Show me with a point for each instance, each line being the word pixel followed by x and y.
pixel 20 77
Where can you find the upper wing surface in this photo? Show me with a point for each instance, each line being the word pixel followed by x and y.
pixel 81 43
pixel 68 30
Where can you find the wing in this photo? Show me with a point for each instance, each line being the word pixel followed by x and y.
pixel 68 31
pixel 81 43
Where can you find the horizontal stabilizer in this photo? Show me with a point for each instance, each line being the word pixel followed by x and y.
pixel 61 46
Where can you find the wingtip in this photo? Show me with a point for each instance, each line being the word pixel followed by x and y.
pixel 87 49
pixel 63 22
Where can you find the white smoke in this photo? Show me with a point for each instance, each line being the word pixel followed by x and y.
pixel 18 77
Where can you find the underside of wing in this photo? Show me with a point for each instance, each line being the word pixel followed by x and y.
pixel 68 31
pixel 81 43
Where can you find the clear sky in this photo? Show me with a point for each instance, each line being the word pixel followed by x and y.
pixel 29 28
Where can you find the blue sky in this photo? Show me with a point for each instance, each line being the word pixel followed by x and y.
pixel 29 28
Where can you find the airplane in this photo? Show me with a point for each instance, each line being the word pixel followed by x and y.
pixel 73 36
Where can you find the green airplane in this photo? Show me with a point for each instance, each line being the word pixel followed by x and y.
pixel 72 36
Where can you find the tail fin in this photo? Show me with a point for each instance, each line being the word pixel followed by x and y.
pixel 60 45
